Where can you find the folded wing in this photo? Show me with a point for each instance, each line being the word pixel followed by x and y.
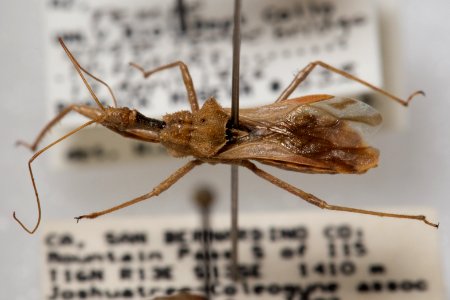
pixel 314 134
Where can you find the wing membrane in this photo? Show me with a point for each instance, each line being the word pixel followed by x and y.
pixel 320 136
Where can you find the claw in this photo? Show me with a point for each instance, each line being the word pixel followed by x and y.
pixel 25 144
pixel 422 93
pixel 134 65
pixel 30 231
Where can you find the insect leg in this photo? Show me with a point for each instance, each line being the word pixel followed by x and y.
pixel 308 69
pixel 167 183
pixel 54 121
pixel 187 79
pixel 31 231
pixel 322 204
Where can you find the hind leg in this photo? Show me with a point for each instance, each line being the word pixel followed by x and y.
pixel 322 204
pixel 303 74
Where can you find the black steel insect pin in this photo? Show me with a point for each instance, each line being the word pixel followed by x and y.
pixel 235 124
pixel 204 199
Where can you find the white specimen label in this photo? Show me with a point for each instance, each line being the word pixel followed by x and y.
pixel 320 255
pixel 279 38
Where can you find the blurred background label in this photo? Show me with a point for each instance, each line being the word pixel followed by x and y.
pixel 282 256
pixel 279 38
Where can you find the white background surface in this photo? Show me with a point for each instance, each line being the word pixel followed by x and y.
pixel 414 168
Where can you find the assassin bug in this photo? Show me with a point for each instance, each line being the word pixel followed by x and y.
pixel 310 134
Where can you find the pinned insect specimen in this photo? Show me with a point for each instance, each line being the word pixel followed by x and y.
pixel 310 134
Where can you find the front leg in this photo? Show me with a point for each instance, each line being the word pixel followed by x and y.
pixel 187 79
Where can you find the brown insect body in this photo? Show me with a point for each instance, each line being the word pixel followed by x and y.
pixel 296 134
pixel 311 134
pixel 201 134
